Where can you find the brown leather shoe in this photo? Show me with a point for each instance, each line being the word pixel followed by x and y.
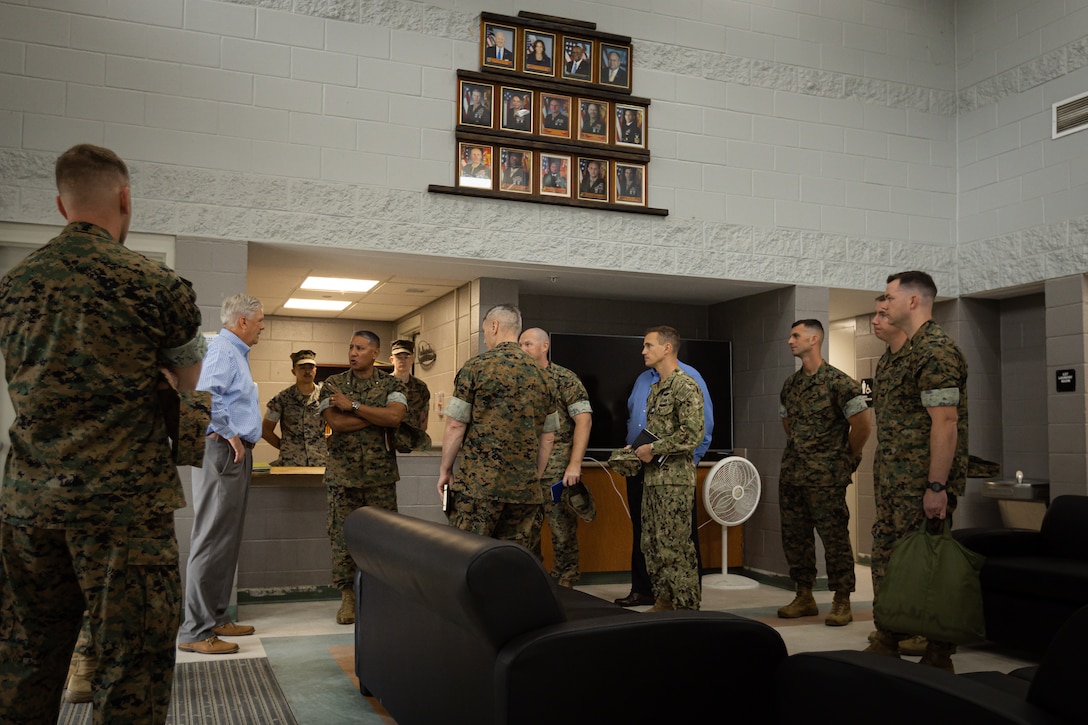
pixel 210 646
pixel 634 599
pixel 231 629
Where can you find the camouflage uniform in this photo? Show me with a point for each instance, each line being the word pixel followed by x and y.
pixel 89 488
pixel 928 371
pixel 562 520
pixel 507 403
pixel 816 468
pixel 362 466
pixel 412 436
pixel 674 412
pixel 302 442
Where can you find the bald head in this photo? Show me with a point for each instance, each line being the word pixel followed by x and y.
pixel 536 343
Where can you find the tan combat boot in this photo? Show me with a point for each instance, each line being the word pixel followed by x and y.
pixel 913 646
pixel 346 613
pixel 803 605
pixel 939 655
pixel 80 671
pixel 840 613
pixel 662 605
pixel 883 643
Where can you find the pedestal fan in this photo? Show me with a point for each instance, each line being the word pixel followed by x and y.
pixel 730 494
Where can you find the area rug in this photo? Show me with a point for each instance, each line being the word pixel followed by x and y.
pixel 224 692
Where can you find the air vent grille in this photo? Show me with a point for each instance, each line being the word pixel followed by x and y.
pixel 1070 115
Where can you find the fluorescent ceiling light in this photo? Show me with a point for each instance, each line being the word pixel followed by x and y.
pixel 339 284
pixel 296 303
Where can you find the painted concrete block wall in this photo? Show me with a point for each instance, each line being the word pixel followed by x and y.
pixel 804 143
pixel 1024 387
pixel 1021 194
pixel 1067 414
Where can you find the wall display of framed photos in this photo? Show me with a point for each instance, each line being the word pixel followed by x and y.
pixel 549 117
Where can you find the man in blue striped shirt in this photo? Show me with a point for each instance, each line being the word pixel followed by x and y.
pixel 221 487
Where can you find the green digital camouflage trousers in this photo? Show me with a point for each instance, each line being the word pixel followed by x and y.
pixel 804 509
pixel 517 522
pixel 667 545
pixel 564 525
pixel 342 501
pixel 127 579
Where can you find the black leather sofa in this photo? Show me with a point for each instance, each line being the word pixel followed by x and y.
pixel 451 627
pixel 1033 581
pixel 857 688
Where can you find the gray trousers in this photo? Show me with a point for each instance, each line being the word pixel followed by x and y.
pixel 220 493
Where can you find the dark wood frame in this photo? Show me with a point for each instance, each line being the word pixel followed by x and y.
pixel 618 110
pixel 624 51
pixel 606 119
pixel 531 105
pixel 589 62
pixel 545 163
pixel 625 199
pixel 515 56
pixel 462 111
pixel 604 166
pixel 488 152
pixel 545 103
pixel 524 47
pixel 530 169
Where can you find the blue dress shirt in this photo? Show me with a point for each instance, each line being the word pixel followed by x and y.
pixel 636 407
pixel 236 408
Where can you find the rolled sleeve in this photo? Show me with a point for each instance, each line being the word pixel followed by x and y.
pixel 941 397
pixel 579 407
pixel 186 355
pixel 854 406
pixel 397 397
pixel 459 410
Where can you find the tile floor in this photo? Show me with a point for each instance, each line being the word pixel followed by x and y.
pixel 312 655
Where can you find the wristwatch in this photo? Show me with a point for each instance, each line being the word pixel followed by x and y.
pixel 936 487
pixel 354 405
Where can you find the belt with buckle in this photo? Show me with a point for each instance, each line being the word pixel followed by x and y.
pixel 216 437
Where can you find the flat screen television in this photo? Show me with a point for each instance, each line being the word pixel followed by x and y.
pixel 608 366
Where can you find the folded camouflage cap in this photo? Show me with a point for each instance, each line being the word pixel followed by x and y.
pixel 624 462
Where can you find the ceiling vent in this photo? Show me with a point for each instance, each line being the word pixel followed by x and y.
pixel 1070 115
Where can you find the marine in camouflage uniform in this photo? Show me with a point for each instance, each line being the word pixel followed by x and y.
pixel 565 462
pixel 412 434
pixel 826 419
pixel 562 518
pixel 929 371
pixel 501 418
pixel 302 442
pixel 362 465
pixel 89 490
pixel 674 413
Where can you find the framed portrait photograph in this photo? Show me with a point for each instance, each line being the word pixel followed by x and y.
pixel 498 46
pixel 555 115
pixel 631 184
pixel 577 59
pixel 516 170
pixel 539 49
pixel 474 165
pixel 630 125
pixel 554 175
pixel 477 104
pixel 593 120
pixel 615 66
pixel 592 179
pixel 516 111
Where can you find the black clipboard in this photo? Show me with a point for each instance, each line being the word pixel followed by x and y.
pixel 644 437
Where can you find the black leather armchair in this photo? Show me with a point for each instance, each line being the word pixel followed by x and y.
pixel 451 627
pixel 1033 581
pixel 858 688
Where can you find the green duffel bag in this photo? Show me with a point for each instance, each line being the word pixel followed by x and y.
pixel 932 588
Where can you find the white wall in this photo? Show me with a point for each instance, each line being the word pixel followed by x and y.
pixel 781 132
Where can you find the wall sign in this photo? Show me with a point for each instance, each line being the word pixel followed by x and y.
pixel 1066 381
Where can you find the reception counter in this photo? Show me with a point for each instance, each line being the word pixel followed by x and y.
pixel 605 544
